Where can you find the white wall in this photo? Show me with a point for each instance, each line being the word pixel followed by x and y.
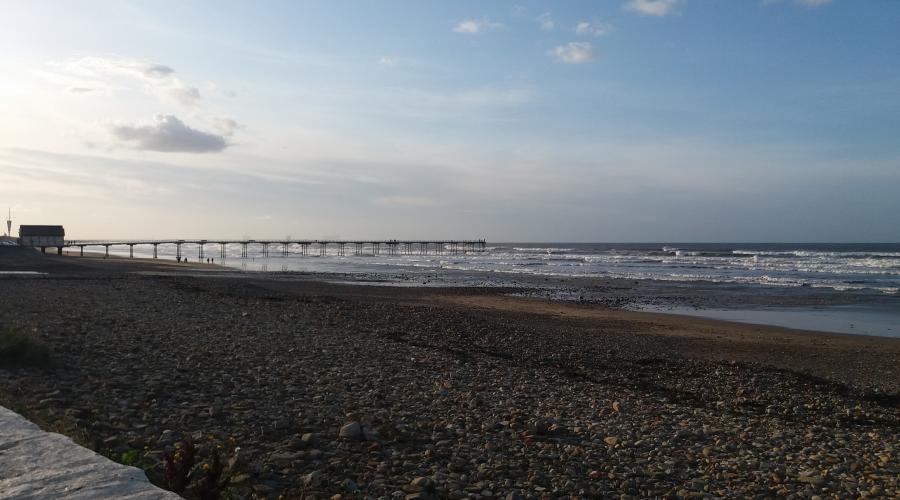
pixel 42 241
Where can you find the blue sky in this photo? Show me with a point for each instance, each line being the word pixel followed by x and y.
pixel 627 120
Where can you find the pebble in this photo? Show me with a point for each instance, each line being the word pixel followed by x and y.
pixel 329 395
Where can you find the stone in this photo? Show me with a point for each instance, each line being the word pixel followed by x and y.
pixel 349 485
pixel 284 459
pixel 421 484
pixel 370 434
pixel 813 479
pixel 351 431
pixel 313 479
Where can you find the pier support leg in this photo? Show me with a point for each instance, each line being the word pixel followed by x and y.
pixel 155 250
pixel 130 251
pixel 107 251
pixel 82 250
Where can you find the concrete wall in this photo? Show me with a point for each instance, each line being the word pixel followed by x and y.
pixel 37 464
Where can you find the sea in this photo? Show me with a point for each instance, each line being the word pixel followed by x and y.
pixel 858 269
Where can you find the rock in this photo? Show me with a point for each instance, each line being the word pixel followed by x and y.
pixel 351 431
pixel 421 484
pixel 349 485
pixel 313 479
pixel 263 489
pixel 422 495
pixel 370 434
pixel 811 478
pixel 540 427
pixel 285 459
pixel 611 440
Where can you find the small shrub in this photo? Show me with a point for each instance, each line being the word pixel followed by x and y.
pixel 19 349
pixel 179 465
pixel 191 477
pixel 130 457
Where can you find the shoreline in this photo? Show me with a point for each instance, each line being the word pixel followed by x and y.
pixel 363 390
pixel 822 310
pixel 94 262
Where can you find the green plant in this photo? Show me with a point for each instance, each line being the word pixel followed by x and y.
pixel 130 457
pixel 204 480
pixel 19 349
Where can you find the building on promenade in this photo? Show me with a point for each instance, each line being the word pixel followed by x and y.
pixel 42 237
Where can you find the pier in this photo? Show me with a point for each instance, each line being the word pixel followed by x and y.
pixel 285 248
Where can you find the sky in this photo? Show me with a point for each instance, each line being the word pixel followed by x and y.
pixel 593 121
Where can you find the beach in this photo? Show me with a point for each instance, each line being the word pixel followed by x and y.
pixel 443 392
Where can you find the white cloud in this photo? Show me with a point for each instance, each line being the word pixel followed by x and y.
pixel 82 90
pixel 476 26
pixel 546 21
pixel 103 74
pixel 226 126
pixel 399 62
pixel 186 96
pixel 652 7
pixel 592 29
pixel 168 134
pixel 812 4
pixel 574 52
pixel 406 201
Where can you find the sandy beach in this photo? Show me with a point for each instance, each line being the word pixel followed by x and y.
pixel 390 392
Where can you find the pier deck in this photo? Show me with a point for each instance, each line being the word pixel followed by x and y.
pixel 301 247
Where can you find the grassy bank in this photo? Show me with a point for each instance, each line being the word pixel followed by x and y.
pixel 20 348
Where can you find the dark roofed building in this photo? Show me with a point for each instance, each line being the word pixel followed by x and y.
pixel 42 237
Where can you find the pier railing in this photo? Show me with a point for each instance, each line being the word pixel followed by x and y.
pixel 301 247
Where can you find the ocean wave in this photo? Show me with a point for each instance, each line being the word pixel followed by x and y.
pixel 543 249
pixel 819 254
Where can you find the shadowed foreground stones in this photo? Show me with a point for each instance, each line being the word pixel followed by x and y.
pixel 339 394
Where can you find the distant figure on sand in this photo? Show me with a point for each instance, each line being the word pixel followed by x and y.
pixel 178 259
